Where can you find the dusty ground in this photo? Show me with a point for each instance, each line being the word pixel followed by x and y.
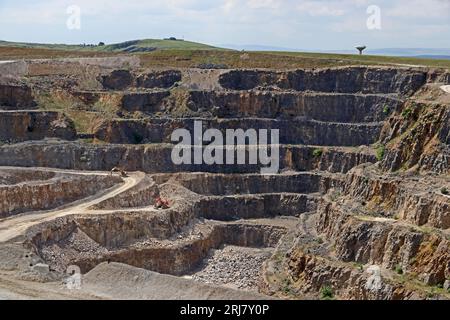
pixel 239 267
pixel 17 225
pixel 446 89
pixel 116 281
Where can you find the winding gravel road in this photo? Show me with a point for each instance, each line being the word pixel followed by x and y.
pixel 16 226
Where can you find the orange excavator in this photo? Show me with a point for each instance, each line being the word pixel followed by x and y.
pixel 161 203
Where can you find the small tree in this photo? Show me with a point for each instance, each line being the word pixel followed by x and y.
pixel 361 49
pixel 381 151
pixel 327 293
pixel 101 44
pixel 317 153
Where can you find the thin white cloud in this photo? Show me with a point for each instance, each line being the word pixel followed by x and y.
pixel 314 8
pixel 287 23
pixel 270 4
pixel 419 9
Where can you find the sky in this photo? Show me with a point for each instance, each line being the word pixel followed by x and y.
pixel 297 24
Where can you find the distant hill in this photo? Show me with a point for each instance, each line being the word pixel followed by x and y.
pixel 146 45
pixel 154 44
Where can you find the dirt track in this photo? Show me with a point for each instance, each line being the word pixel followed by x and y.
pixel 13 227
pixel 446 89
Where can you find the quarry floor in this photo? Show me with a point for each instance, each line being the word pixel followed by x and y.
pixel 363 183
pixel 228 272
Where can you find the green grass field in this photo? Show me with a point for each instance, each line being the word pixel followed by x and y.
pixel 277 60
pixel 167 45
pixel 117 47
pixel 369 59
pixel 176 53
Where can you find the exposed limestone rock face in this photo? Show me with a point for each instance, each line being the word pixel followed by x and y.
pixel 274 104
pixel 142 195
pixel 358 210
pixel 418 136
pixel 344 80
pixel 123 79
pixel 392 246
pixel 145 102
pixel 117 80
pixel 18 126
pixel 441 76
pixel 368 225
pixel 342 161
pixel 157 158
pixel 444 132
pixel 256 206
pixel 299 131
pixel 16 257
pixel 345 108
pixel 313 273
pixel 229 184
pixel 139 240
pixel 11 176
pixel 375 236
pixel 162 79
pixel 399 197
pixel 114 230
pixel 16 97
pixel 350 253
pixel 127 101
pixel 49 194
